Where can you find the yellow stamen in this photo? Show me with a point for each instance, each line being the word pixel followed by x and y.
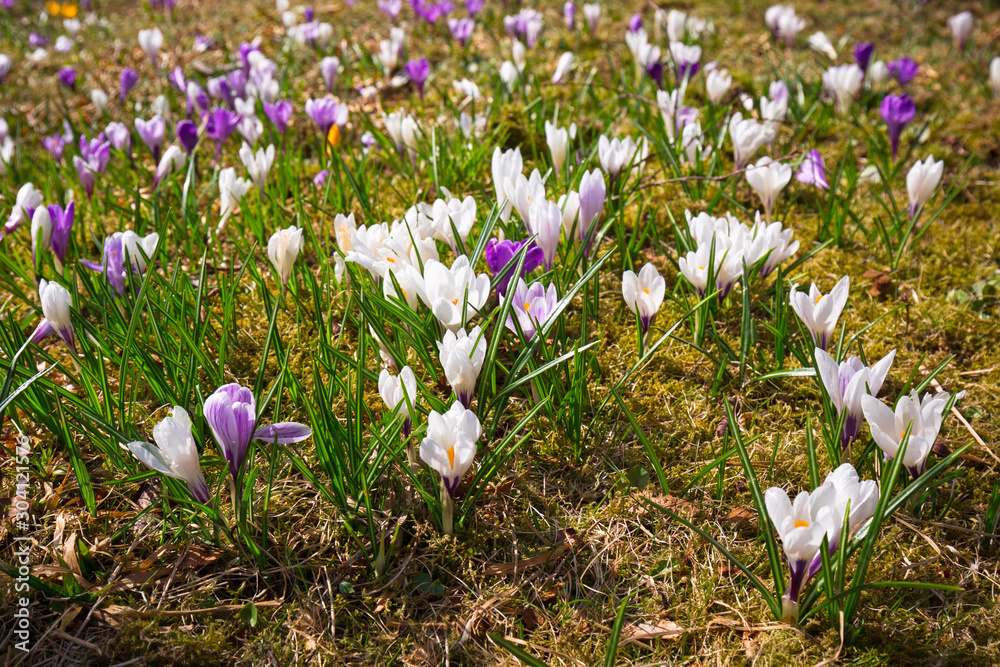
pixel 818 298
pixel 455 302
pixel 801 524
pixel 646 290
pixel 390 259
pixel 701 268
pixel 451 457
pixel 527 305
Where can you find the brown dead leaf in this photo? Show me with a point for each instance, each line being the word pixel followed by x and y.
pixel 740 515
pixel 882 283
pixel 665 629
pixel 69 555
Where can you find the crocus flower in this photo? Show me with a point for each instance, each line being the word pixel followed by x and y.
pixel 592 193
pixel 504 166
pixel 176 78
pixel 921 182
pixel 41 229
pixel 391 8
pixel 93 160
pixel 846 383
pixel 5 65
pixel 56 145
pixel 462 355
pixel 231 191
pixel 717 84
pixel 818 41
pixel 461 29
pixel 961 27
pixel 860 496
pixel 187 135
pixel 231 413
pixel 801 527
pixel 474 6
pixel 531 305
pixel 129 77
pixel 258 164
pixel 454 292
pixel 563 66
pixel 151 41
pixel 557 139
pixel 99 99
pixel 152 132
pixel 221 124
pixel 283 249
pixel 175 453
pixel 449 449
pixel 418 70
pixel 119 246
pixel 643 294
pixel 898 111
pixel 995 76
pixel 545 222
pixel 569 14
pixel 501 260
pixel 591 14
pixel 843 82
pixel 56 302
pixel 784 23
pixel 812 170
pixel 747 136
pixel 67 77
pixel 399 393
pixel 27 200
pixel 904 70
pixel 686 59
pixel 279 113
pixel 62 225
pixel 326 112
pixel 615 154
pixel 768 178
pixel 328 68
pixel 173 159
pixel 196 97
pixel 819 312
pixel 921 417
pixel 863 55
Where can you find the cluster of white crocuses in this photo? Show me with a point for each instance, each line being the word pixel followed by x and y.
pixel 804 523
pixel 724 245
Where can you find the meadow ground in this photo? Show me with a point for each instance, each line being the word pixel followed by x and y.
pixel 570 543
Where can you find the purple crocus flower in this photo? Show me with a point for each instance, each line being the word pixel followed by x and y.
pixel 152 132
pixel 187 134
pixel 112 262
pixel 279 113
pixel 593 190
pixel 62 225
pixel 246 48
pixel 501 258
pixel 195 97
pixel 635 23
pixel 237 80
pixel 320 179
pixel 55 144
pixel 654 70
pixel 418 70
pixel 326 112
pixel 473 6
pixel 218 87
pixel 119 137
pixel 531 305
pixel 898 111
pixel 126 82
pixel 863 52
pixel 221 123
pixel 812 171
pixel 231 413
pixel 391 8
pixel 203 43
pixel 461 29
pixel 93 160
pixel 37 41
pixel 176 77
pixel 569 14
pixel 67 77
pixel 309 14
pixel 903 70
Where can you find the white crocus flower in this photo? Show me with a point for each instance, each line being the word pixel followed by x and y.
pixel 591 14
pixel 820 42
pixel 819 312
pixel 231 191
pixel 41 230
pixel 921 182
pixel 615 154
pixel 453 293
pixel 676 20
pixel 524 192
pixel 843 82
pixel 176 454
pixel 453 215
pixel 846 383
pixel 747 136
pixel 546 221
pixel 569 204
pixel 563 66
pixel 172 160
pixel 151 41
pixel 850 492
pixel 691 143
pixel 388 55
pixel 462 356
pixel 768 178
pixel 399 394
pixel 283 249
pixel 995 76
pixel 670 103
pixel 643 294
pixel 802 526
pixel 449 448
pixel 518 54
pixel 961 28
pixel 717 84
pixel 258 164
pixel 505 165
pixel 921 417
pixel 56 302
pixel 99 99
pixel 509 75
pixel 468 89
pixel 558 140
pixel 878 72
pixel 27 198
